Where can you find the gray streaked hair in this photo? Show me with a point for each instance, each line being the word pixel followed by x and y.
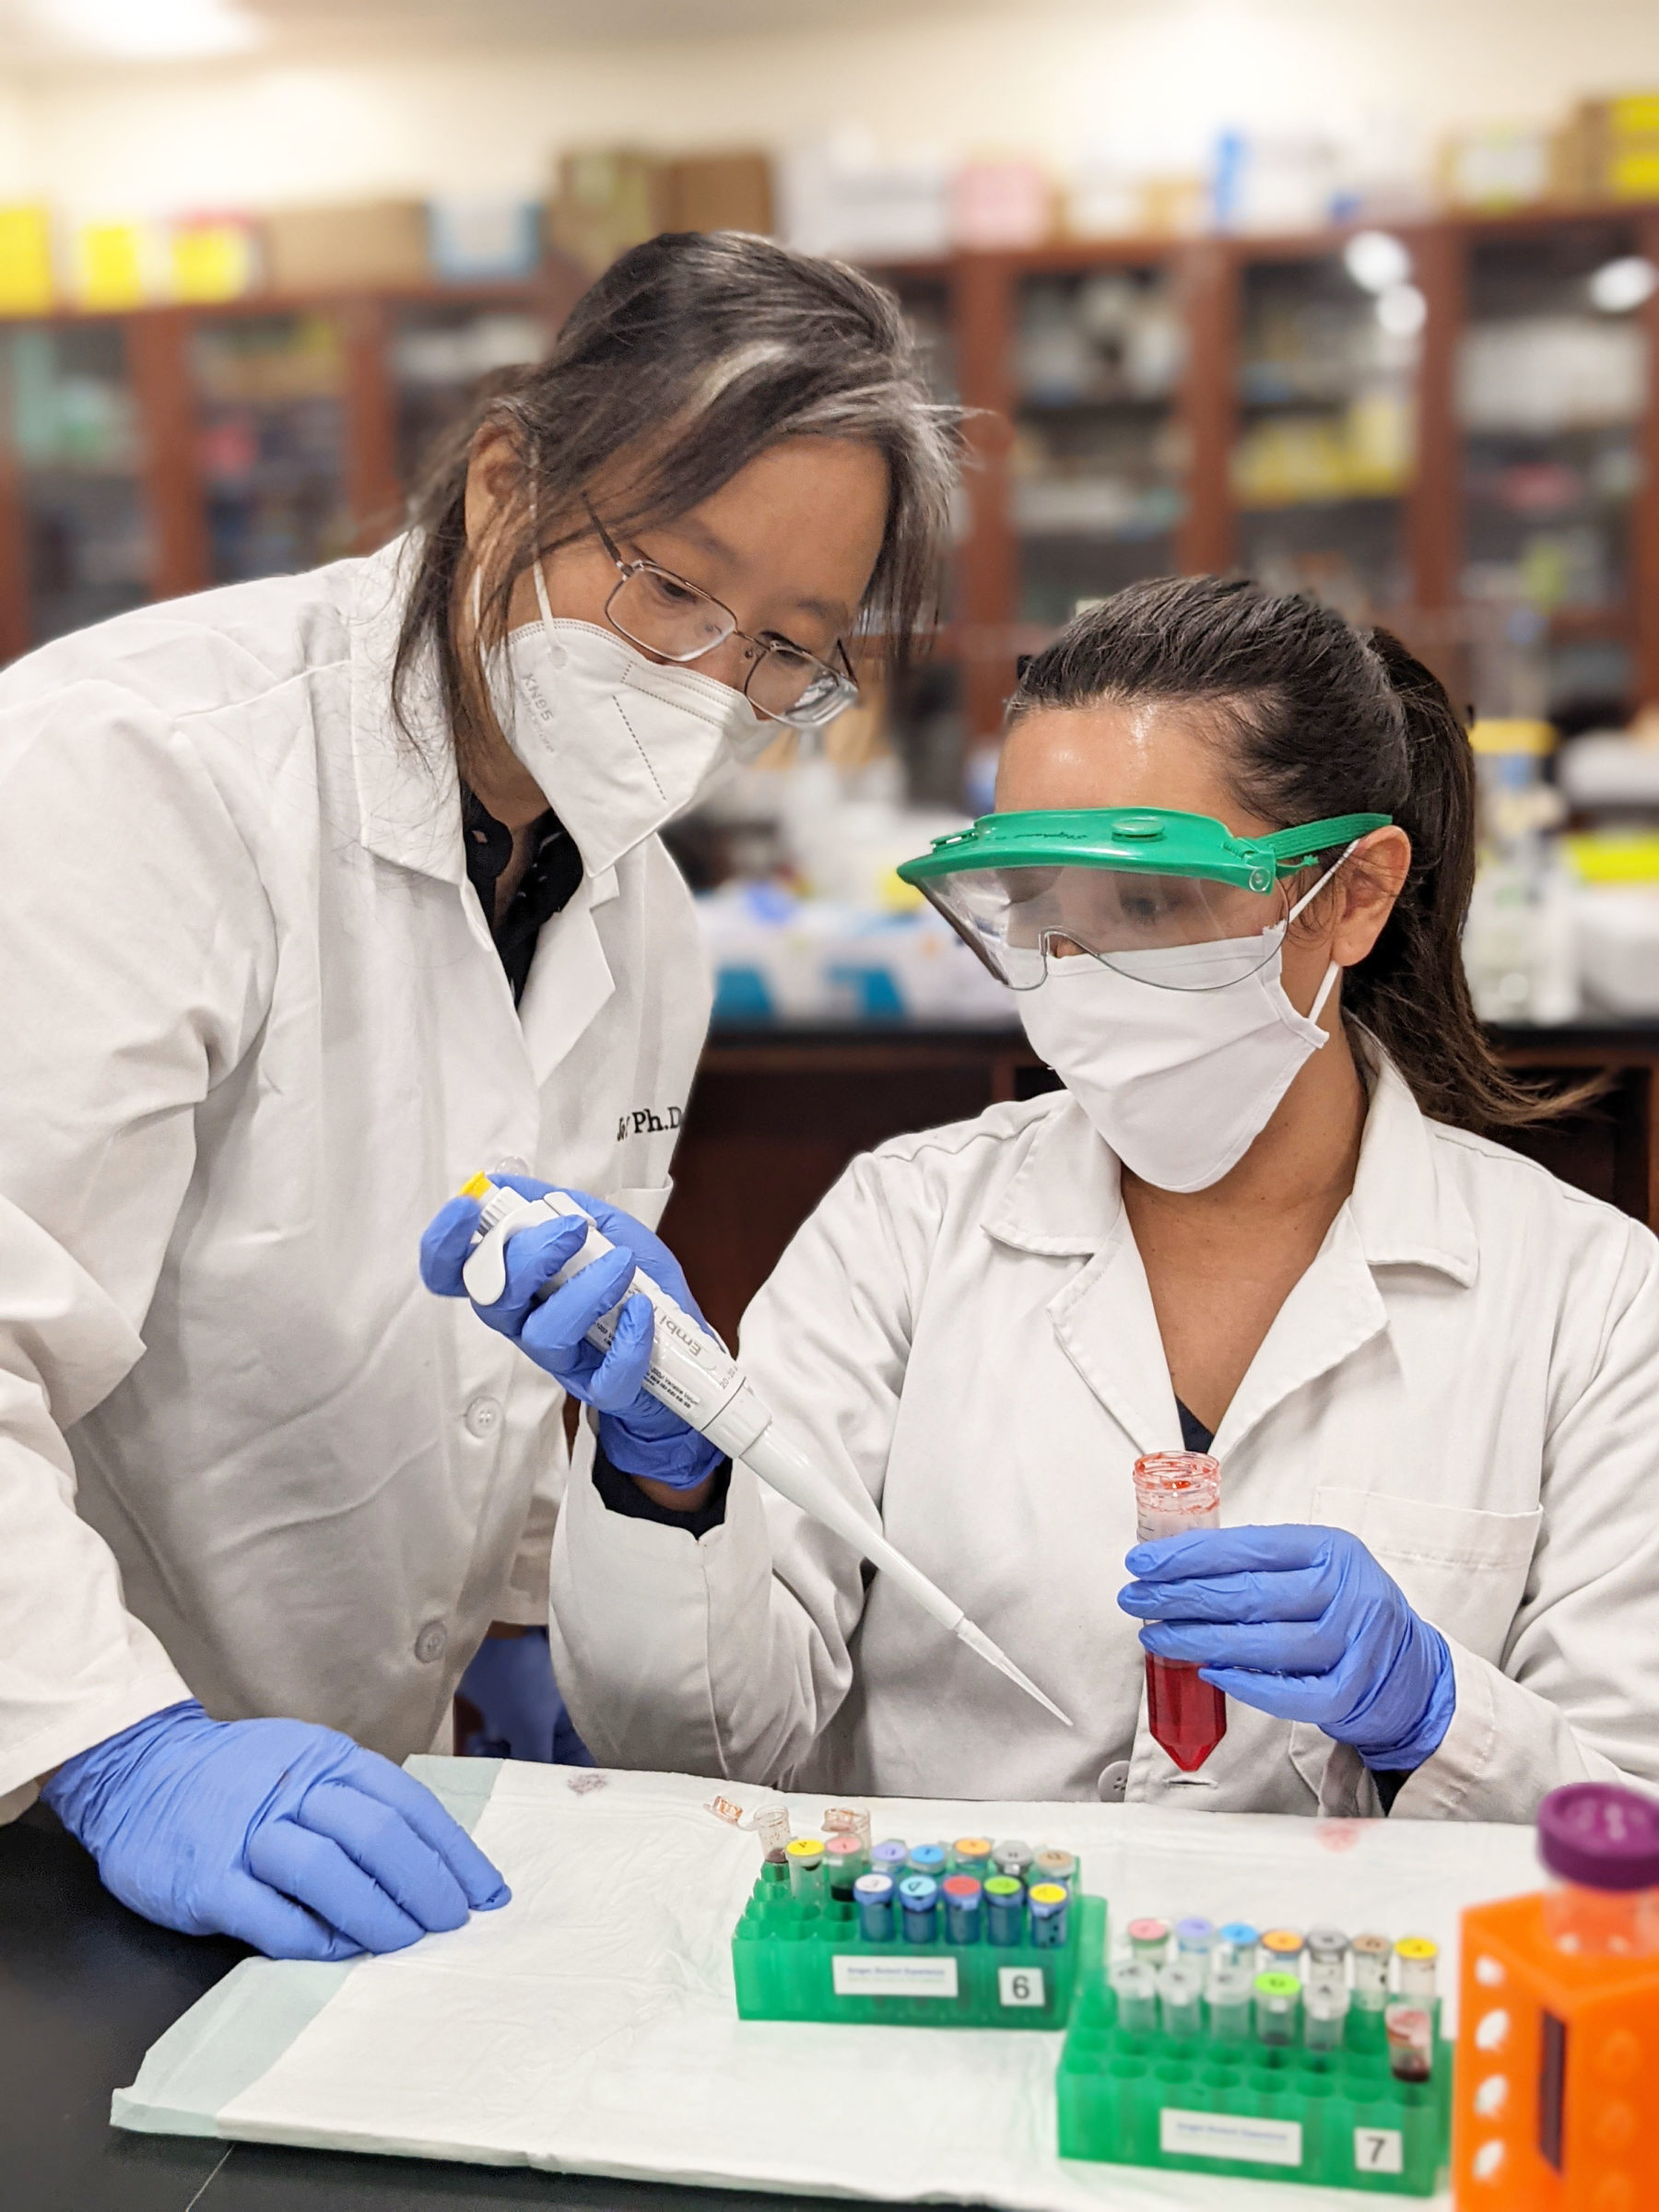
pixel 693 354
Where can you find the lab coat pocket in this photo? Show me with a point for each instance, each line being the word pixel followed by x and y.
pixel 1462 1568
pixel 644 1205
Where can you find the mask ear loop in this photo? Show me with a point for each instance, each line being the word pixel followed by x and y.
pixel 1334 969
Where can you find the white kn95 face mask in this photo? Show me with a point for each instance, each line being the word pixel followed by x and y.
pixel 1178 1080
pixel 619 743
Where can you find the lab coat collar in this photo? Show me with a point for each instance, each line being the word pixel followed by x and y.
pixel 408 784
pixel 1064 1199
pixel 1405 1207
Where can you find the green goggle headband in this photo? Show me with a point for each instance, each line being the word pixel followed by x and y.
pixel 1153 841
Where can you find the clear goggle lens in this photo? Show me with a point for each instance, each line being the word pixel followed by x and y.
pixel 1182 933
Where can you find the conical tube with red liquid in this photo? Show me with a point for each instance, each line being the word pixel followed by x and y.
pixel 1175 1491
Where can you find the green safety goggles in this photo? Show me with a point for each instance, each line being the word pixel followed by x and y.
pixel 1173 898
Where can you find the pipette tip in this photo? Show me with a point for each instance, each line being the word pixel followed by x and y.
pixel 977 1641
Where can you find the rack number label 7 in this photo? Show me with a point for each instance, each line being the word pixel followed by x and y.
pixel 1378 2150
pixel 1020 1985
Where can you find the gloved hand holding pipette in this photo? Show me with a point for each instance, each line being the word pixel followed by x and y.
pixel 637 1432
pixel 687 1371
pixel 1301 1622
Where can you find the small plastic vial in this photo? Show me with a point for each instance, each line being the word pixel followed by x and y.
pixel 1280 1951
pixel 805 1857
pixel 892 1857
pixel 1277 2007
pixel 1174 1492
pixel 971 1854
pixel 1050 1904
pixel 1194 1939
pixel 1370 1956
pixel 1324 2017
pixel 927 1858
pixel 1004 1910
pixel 1053 1865
pixel 1600 1847
pixel 1135 1987
pixel 964 1908
pixel 1232 1989
pixel 845 1859
pixel 1013 1858
pixel 1410 2031
pixel 1237 1939
pixel 1416 1959
pixel 1180 1999
pixel 919 1895
pixel 1149 1939
pixel 873 1894
pixel 1327 1958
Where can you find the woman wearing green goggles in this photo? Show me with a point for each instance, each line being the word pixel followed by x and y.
pixel 1263 1218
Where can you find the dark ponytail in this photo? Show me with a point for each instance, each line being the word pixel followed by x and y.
pixel 1325 721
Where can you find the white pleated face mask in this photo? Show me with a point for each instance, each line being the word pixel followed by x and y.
pixel 1180 1080
pixel 619 743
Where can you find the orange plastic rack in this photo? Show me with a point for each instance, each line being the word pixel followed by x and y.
pixel 1555 2093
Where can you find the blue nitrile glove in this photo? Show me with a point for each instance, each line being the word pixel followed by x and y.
pixel 509 1681
pixel 288 1835
pixel 1302 1623
pixel 636 1434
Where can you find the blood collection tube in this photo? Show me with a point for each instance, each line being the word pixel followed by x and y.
pixel 805 1857
pixel 844 1860
pixel 1195 1937
pixel 1327 1957
pixel 1277 2007
pixel 927 1858
pixel 1012 1858
pixel 1324 2016
pixel 1004 1910
pixel 1175 1492
pixel 1419 1957
pixel 873 1894
pixel 889 1857
pixel 1280 1951
pixel 1371 1955
pixel 1052 1864
pixel 1149 1939
pixel 1410 2031
pixel 919 1897
pixel 1135 1984
pixel 971 1854
pixel 963 1910
pixel 1232 1985
pixel 1181 1998
pixel 1237 1939
pixel 1050 1903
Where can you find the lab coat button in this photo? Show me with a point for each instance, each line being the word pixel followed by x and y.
pixel 483 1417
pixel 431 1643
pixel 1113 1784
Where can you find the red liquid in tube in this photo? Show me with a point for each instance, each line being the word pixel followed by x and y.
pixel 1175 1491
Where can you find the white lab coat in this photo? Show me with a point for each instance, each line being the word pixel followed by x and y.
pixel 1467 1378
pixel 252 1031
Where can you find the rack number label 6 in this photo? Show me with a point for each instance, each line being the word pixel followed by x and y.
pixel 1378 2150
pixel 1020 1985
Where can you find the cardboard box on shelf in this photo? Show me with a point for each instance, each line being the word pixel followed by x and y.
pixel 215 257
pixel 719 191
pixel 331 249
pixel 1495 166
pixel 611 198
pixel 1610 149
pixel 484 241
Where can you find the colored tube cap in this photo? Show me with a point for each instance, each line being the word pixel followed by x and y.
pixel 927 1858
pixel 872 1888
pixel 1239 1935
pixel 1278 1986
pixel 805 1850
pixel 1194 1935
pixel 1002 1889
pixel 1601 1836
pixel 1048 1896
pixel 963 1889
pixel 1282 1943
pixel 918 1892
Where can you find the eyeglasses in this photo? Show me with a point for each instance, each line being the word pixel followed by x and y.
pixel 680 621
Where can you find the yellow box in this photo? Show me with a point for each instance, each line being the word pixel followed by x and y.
pixel 109 265
pixel 214 258
pixel 26 286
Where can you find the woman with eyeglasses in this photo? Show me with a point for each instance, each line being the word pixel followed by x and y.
pixel 316 895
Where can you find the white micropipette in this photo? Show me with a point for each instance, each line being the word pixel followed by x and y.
pixel 693 1374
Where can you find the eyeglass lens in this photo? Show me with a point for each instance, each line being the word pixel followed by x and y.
pixel 682 623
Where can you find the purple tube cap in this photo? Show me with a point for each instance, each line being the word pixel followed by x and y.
pixel 1600 1835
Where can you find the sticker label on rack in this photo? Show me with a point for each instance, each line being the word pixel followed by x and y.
pixel 1020 1985
pixel 1231 2135
pixel 1378 2150
pixel 857 1977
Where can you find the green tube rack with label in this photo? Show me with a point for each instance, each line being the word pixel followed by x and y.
pixel 1196 2104
pixel 794 1959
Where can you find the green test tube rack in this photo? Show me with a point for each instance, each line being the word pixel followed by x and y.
pixel 793 1960
pixel 1200 2105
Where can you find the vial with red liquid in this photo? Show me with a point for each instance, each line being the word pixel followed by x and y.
pixel 1175 1491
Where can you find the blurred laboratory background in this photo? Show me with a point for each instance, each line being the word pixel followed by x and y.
pixel 1363 301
